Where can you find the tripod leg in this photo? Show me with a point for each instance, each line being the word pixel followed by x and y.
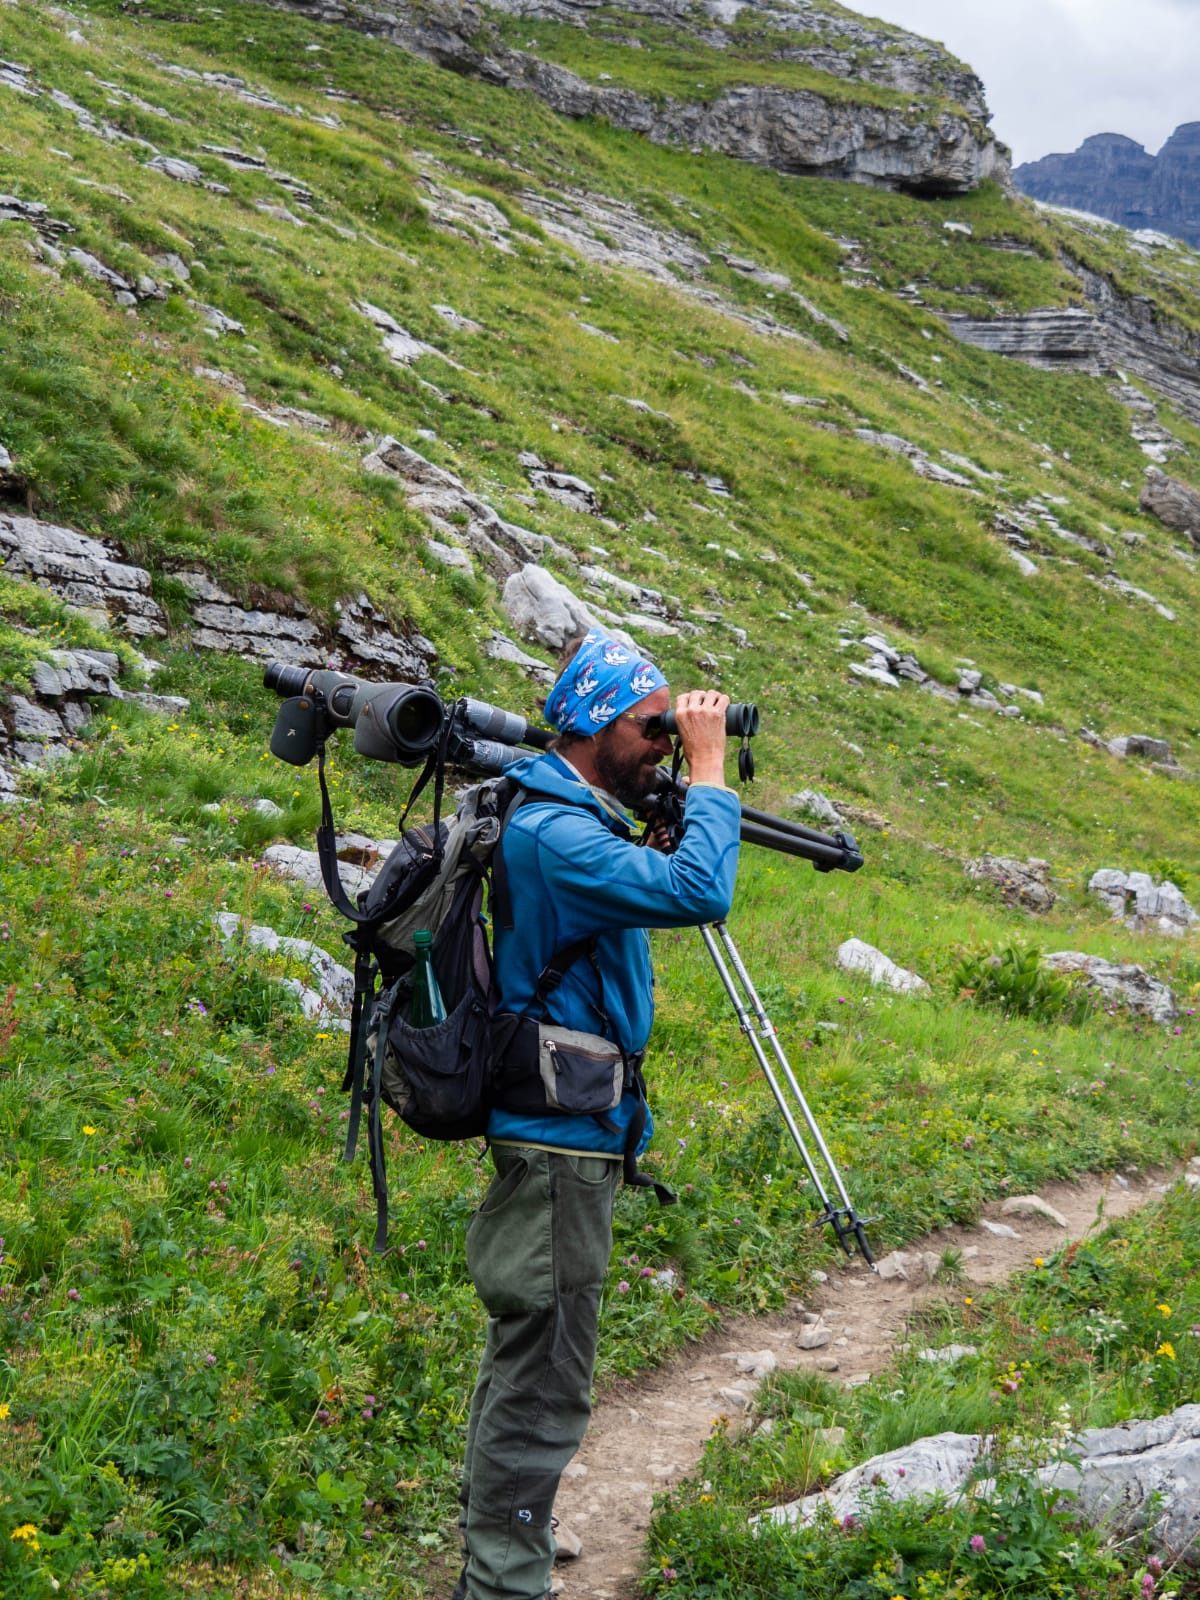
pixel 747 1027
pixel 845 1221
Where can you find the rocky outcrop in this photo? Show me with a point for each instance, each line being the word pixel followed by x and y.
pixel 287 633
pixel 924 148
pixel 1175 504
pixel 1116 984
pixel 82 571
pixel 1142 904
pixel 1022 883
pixel 1115 333
pixel 1052 338
pixel 1115 177
pixel 86 573
pixel 1138 1475
pixel 1138 337
pixel 41 729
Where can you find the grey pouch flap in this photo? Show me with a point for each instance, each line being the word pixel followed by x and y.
pixel 580 1072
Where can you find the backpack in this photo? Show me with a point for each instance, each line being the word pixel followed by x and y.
pixel 443 1081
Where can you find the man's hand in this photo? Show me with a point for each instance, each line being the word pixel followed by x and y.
pixel 700 717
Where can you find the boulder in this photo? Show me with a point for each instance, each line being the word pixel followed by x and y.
pixel 1146 906
pixel 542 608
pixel 1022 883
pixel 1175 504
pixel 567 490
pixel 1141 1475
pixel 335 983
pixel 857 956
pixel 1137 1476
pixel 1122 985
pixel 818 806
pixel 1143 745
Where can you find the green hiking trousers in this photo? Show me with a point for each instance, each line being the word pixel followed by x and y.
pixel 537 1251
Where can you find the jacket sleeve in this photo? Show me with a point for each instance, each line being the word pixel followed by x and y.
pixel 602 881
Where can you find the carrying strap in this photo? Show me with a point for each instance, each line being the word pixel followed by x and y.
pixel 435 768
pixel 634 1177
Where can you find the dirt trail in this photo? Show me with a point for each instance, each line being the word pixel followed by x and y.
pixel 648 1434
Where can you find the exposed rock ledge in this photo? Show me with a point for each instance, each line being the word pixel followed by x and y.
pixel 1114 332
pixel 796 131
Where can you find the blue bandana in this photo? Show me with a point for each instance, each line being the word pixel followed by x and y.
pixel 602 679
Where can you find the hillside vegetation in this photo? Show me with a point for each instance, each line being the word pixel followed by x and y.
pixel 208 1385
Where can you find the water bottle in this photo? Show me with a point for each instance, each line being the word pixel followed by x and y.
pixel 427 1007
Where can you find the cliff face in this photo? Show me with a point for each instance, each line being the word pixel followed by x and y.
pixel 1115 177
pixel 788 85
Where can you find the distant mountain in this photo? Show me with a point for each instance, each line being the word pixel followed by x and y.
pixel 1116 177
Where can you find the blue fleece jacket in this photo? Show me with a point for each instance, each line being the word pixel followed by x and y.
pixel 573 872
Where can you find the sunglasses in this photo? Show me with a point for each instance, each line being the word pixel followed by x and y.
pixel 649 726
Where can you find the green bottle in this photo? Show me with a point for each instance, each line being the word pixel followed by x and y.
pixel 427 1007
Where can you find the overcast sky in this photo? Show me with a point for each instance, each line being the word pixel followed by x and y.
pixel 1058 70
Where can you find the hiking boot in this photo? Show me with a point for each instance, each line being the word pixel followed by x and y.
pixel 460 1588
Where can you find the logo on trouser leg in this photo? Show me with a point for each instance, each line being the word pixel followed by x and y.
pixel 524 1515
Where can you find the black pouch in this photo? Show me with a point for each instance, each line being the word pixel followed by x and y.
pixel 436 1078
pixel 579 1072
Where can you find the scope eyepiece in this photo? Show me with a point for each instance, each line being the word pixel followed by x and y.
pixel 286 680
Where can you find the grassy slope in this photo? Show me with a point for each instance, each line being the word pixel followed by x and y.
pixel 122 1013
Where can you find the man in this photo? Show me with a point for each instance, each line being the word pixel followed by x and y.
pixel 539 1245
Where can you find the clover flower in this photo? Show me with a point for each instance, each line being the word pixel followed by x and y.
pixel 978 1543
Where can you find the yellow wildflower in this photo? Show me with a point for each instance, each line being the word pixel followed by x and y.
pixel 1166 1348
pixel 1039 1261
pixel 968 1300
pixel 26 1534
pixel 5 1411
pixel 1163 1308
pixel 88 1129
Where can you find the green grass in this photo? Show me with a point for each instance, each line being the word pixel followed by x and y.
pixel 127 1441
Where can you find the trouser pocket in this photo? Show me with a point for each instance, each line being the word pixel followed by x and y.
pixel 510 1242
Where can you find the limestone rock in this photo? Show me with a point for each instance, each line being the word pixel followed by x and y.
pixel 542 608
pixel 82 571
pixel 1143 904
pixel 854 955
pixel 567 490
pixel 815 1337
pixel 1138 1475
pixel 1142 745
pixel 455 514
pixel 1032 1205
pixel 1142 1475
pixel 1053 338
pixel 948 1354
pixel 305 867
pixel 1023 883
pixel 818 806
pixel 1175 504
pixel 500 648
pixel 335 982
pixel 1124 985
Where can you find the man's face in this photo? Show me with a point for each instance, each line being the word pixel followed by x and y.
pixel 625 758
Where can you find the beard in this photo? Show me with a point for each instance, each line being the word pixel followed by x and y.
pixel 628 779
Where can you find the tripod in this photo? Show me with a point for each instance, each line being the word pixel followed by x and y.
pixel 828 853
pixel 844 1220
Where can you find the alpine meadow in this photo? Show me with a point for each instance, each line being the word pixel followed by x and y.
pixel 405 338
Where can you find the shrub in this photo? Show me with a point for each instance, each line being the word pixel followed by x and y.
pixel 1014 980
